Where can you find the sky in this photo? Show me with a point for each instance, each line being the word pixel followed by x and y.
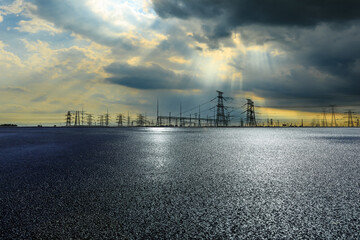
pixel 292 58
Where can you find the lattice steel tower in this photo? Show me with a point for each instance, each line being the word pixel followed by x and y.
pixel 250 114
pixel 350 119
pixel 120 120
pixel 68 119
pixel 333 118
pixel 89 119
pixel 77 118
pixel 107 118
pixel 324 121
pixel 101 120
pixel 128 120
pixel 220 115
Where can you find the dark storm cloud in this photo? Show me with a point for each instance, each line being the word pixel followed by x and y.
pixel 220 18
pixel 264 12
pixel 319 66
pixel 305 85
pixel 151 77
pixel 76 17
pixel 176 42
pixel 320 40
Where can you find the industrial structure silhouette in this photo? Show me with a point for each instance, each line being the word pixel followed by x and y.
pixel 220 111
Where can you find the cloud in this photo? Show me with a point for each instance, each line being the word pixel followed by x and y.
pixel 294 51
pixel 292 84
pixel 14 89
pixel 149 77
pixel 319 62
pixel 263 12
pixel 32 23
pixel 119 25
pixel 40 99
pixel 218 19
pixel 8 59
pixel 16 7
pixel 76 17
pixel 179 60
pixel 36 25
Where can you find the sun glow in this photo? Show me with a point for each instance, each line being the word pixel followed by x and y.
pixel 124 14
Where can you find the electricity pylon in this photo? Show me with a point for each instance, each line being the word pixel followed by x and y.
pixel 89 119
pixel 333 117
pixel 120 120
pixel 250 114
pixel 324 121
pixel 68 119
pixel 350 119
pixel 220 116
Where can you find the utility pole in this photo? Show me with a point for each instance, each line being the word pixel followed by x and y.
pixel 180 116
pixel 214 123
pixel 169 119
pixel 199 124
pixel 157 113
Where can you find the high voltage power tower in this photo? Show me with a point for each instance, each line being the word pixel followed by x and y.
pixel 77 118
pixel 101 120
pixel 120 120
pixel 324 121
pixel 89 120
pixel 220 113
pixel 250 114
pixel 333 118
pixel 107 118
pixel 350 122
pixel 78 121
pixel 68 119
